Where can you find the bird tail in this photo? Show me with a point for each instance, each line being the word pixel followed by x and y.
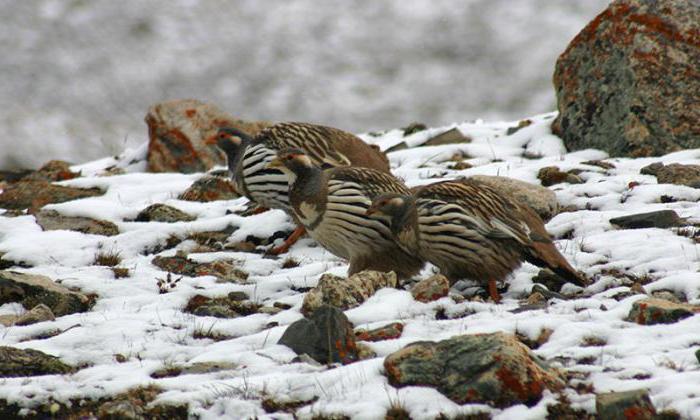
pixel 545 254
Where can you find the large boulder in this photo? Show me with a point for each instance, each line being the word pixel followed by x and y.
pixel 31 290
pixel 494 369
pixel 177 130
pixel 629 82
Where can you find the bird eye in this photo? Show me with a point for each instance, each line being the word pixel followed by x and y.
pixel 222 135
pixel 289 157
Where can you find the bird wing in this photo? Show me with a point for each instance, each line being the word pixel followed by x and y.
pixel 371 182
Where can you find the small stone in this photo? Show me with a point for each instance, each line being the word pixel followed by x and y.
pixel 413 128
pixel 120 409
pixel 387 332
pixel 536 298
pixel 54 170
pixel 120 358
pixel 451 136
pixel 52 220
pixel 244 246
pixel 28 362
pixel 346 293
pixel 398 146
pixel 327 336
pixel 638 289
pixel 625 405
pixel 224 271
pixel 210 188
pixel 430 289
pixel 163 213
pixel 462 165
pixel 269 310
pixel 666 295
pixel 34 194
pixel 217 311
pixel 675 173
pixel 365 352
pixel 39 313
pixel 521 124
pixel 599 163
pixel 493 369
pixel 652 311
pixel 196 368
pixel 552 175
pixel 655 219
pixel 697 355
pixel 31 290
pixel 237 296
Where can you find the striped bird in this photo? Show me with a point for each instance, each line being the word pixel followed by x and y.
pixel 332 205
pixel 470 230
pixel 248 160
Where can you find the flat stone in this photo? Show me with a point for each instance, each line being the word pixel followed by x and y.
pixel 177 131
pixel 327 336
pixel 210 188
pixel 346 293
pixel 163 213
pixel 121 409
pixel 31 290
pixel 451 136
pixel 52 220
pixel 16 362
pixel 659 311
pixel 552 175
pixel 541 199
pixel 39 313
pixel 387 332
pixel 197 368
pixel 614 88
pixel 655 219
pixel 34 194
pixel 675 173
pixel 494 369
pixel 224 271
pixel 430 289
pixel 625 405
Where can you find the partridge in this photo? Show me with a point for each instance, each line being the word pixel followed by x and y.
pixel 332 204
pixel 469 230
pixel 248 160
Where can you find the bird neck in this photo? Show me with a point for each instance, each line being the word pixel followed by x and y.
pixel 306 183
pixel 406 219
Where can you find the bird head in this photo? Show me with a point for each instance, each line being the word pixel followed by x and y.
pixel 291 160
pixel 388 204
pixel 231 141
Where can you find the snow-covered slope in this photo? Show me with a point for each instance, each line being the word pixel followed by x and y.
pixel 151 331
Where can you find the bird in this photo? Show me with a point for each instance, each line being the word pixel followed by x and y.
pixel 470 230
pixel 248 158
pixel 332 204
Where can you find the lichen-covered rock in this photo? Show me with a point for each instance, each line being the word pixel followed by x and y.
pixel 327 336
pixel 28 362
pixel 222 270
pixel 210 188
pixel 551 175
pixel 31 290
pixel 163 213
pixel 346 293
pixel 387 332
pixel 495 369
pixel 53 170
pixel 430 289
pixel 658 219
pixel 34 194
pixel 542 200
pixel 615 91
pixel 221 307
pixel 625 405
pixel 177 130
pixel 52 220
pixel 39 313
pixel 674 173
pixel 659 311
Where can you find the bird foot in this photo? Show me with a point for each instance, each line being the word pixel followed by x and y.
pixel 255 210
pixel 493 291
pixel 291 240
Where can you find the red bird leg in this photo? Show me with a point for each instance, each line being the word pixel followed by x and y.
pixel 291 240
pixel 493 291
pixel 259 210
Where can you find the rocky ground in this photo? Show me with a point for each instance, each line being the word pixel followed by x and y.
pixel 149 295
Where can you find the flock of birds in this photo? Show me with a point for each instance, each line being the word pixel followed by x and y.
pixel 341 191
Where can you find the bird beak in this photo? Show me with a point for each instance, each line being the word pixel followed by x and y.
pixel 275 163
pixel 211 139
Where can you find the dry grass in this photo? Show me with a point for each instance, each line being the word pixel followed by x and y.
pixel 109 258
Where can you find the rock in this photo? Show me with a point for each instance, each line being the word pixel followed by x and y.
pixel 495 369
pixel 614 88
pixel 665 295
pixel 39 313
pixel 54 170
pixel 269 310
pixel 675 173
pixel 346 293
pixel 542 200
pixel 599 163
pixel 28 362
pixel 223 270
pixel 451 136
pixel 387 332
pixel 34 194
pixel 214 239
pixel 430 289
pixel 697 355
pixel 52 220
pixel 210 188
pixel 217 311
pixel 551 175
pixel 193 369
pixel 177 130
pixel 521 124
pixel 398 146
pixel 327 336
pixel 220 307
pixel 37 289
pixel 656 219
pixel 625 405
pixel 122 410
pixel 658 311
pixel 413 128
pixel 237 296
pixel 163 213
pixel 365 352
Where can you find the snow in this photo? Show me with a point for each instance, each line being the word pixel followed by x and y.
pixel 151 331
